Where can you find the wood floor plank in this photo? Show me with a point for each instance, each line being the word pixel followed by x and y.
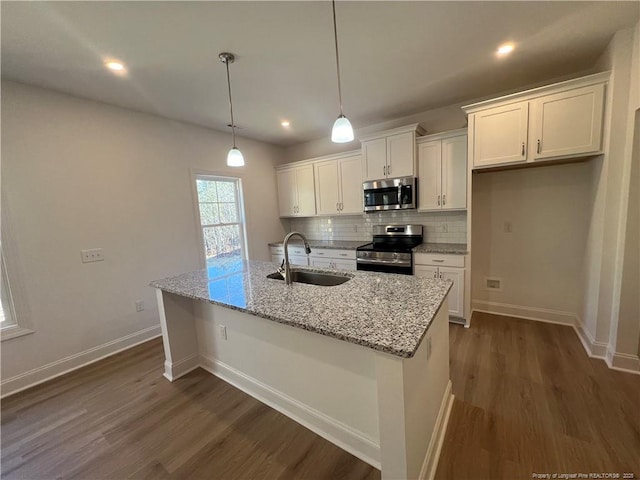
pixel 528 400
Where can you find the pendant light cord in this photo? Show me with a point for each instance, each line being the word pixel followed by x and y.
pixel 233 125
pixel 335 36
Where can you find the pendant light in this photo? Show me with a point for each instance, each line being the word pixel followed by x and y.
pixel 342 131
pixel 234 157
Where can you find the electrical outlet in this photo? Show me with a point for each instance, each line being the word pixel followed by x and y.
pixel 508 227
pixel 494 284
pixel 92 255
pixel 223 332
pixel 139 305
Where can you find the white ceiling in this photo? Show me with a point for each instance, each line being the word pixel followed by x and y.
pixel 397 58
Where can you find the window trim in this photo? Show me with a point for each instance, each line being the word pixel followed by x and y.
pixel 203 174
pixel 19 327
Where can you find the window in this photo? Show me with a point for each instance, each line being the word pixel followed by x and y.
pixel 221 217
pixel 7 317
pixel 9 325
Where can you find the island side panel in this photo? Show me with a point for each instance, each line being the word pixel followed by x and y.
pixel 414 397
pixel 326 384
pixel 178 334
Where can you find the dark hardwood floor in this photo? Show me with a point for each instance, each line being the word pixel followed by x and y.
pixel 528 400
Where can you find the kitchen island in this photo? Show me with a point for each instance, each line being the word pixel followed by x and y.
pixel 364 364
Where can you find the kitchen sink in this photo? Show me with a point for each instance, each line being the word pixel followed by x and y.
pixel 313 278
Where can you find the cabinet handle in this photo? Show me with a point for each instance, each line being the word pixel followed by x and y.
pixel 337 206
pixel 436 260
pixel 388 169
pixel 443 199
pixel 343 254
pixel 538 146
pixel 341 206
pixel 438 200
pixel 522 149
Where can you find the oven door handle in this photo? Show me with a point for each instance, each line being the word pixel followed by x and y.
pixel 373 261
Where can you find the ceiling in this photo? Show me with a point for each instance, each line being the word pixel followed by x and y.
pixel 397 58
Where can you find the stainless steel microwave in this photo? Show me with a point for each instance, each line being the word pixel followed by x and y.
pixel 390 194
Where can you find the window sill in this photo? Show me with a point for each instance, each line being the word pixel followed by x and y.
pixel 14 331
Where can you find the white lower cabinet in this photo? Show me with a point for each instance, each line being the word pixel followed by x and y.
pixel 334 259
pixel 445 267
pixel 297 255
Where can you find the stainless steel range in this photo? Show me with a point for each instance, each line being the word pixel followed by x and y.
pixel 390 251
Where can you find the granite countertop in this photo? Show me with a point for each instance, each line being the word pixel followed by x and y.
pixel 453 248
pixel 386 312
pixel 333 244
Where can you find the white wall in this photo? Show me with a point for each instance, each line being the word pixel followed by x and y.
pixel 78 174
pixel 540 260
pixel 606 253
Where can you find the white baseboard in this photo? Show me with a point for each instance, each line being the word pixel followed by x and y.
pixel 623 362
pixel 430 465
pixel 593 348
pixel 526 313
pixel 18 383
pixel 345 437
pixel 173 371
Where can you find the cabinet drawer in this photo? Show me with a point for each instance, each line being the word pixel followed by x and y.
pixel 439 260
pixel 276 250
pixel 332 253
pixel 300 251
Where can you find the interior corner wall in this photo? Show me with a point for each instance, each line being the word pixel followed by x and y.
pixel 602 267
pixel 628 330
pixel 78 174
pixel 539 262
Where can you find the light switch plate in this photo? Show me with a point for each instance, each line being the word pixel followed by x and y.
pixel 92 255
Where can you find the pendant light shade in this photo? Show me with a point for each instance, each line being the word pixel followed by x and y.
pixel 342 131
pixel 234 157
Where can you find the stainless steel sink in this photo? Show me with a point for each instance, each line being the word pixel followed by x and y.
pixel 313 278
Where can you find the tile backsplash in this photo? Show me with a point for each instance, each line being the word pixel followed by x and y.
pixel 439 227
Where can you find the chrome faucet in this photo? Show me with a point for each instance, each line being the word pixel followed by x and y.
pixel 285 268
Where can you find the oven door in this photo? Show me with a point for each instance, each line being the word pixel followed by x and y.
pixel 379 262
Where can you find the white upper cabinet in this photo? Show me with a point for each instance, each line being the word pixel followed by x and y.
pixel 351 184
pixel 568 123
pixel 374 156
pixel 501 135
pixel 390 154
pixel 339 185
pixel 442 171
pixel 555 122
pixel 296 191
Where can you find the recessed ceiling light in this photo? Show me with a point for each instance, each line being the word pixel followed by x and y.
pixel 115 66
pixel 505 49
pixel 285 123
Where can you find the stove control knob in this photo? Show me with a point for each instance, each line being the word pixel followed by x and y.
pixel 365 254
pixel 396 256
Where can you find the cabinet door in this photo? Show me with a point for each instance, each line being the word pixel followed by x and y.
pixel 425 271
pixel 567 123
pixel 429 174
pixel 306 191
pixel 327 187
pixel 298 260
pixel 500 135
pixel 401 155
pixel 456 294
pixel 287 193
pixel 454 173
pixel 351 184
pixel 374 159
